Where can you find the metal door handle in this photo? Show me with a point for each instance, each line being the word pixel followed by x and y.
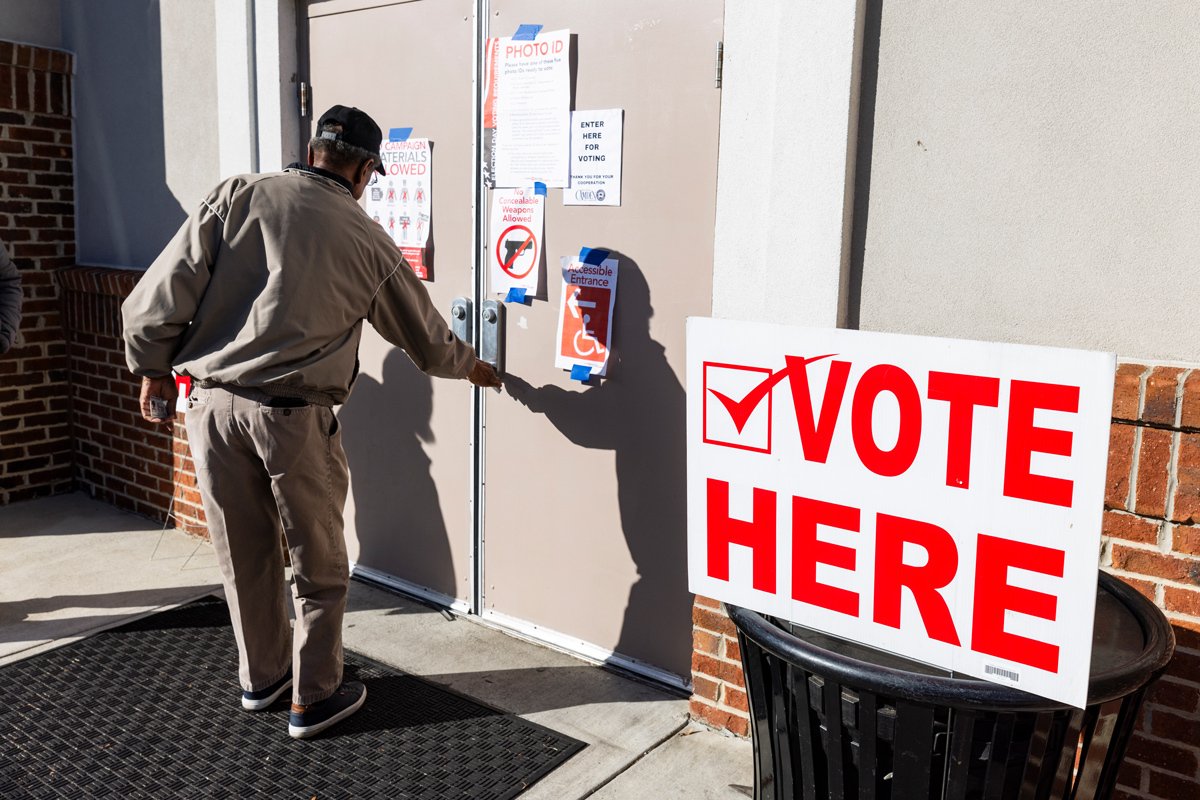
pixel 461 318
pixel 491 339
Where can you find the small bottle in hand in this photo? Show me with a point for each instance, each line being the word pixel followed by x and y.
pixel 160 411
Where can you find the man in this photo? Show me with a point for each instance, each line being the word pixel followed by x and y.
pixel 260 298
pixel 10 301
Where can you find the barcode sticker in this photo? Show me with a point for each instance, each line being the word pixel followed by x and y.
pixel 1003 673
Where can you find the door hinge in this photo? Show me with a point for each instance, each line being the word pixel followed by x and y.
pixel 305 94
pixel 720 62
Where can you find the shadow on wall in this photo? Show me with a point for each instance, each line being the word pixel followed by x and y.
pixel 639 414
pixel 872 26
pixel 126 212
pixel 397 512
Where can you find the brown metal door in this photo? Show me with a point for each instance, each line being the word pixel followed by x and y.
pixel 585 515
pixel 407 437
pixel 582 539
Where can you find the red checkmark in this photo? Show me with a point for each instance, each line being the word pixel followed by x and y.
pixel 740 410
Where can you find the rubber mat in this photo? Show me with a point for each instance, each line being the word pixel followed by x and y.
pixel 152 710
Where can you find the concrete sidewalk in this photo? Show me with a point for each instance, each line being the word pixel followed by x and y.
pixel 71 566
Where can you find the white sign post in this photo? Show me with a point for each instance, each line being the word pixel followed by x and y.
pixel 939 499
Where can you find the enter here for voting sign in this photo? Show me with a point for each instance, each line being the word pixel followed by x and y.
pixel 939 499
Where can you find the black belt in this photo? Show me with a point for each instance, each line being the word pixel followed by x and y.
pixel 252 393
pixel 285 402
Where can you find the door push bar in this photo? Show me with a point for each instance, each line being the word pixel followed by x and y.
pixel 491 339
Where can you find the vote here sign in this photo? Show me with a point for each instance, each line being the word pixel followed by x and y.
pixel 936 498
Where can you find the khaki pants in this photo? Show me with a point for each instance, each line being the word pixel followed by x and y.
pixel 262 470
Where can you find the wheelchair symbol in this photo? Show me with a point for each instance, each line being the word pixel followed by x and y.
pixel 585 337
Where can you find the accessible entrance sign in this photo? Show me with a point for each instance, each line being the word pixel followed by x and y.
pixel 585 312
pixel 939 499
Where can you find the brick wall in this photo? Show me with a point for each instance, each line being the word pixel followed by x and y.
pixel 37 226
pixel 1151 540
pixel 120 458
pixel 187 512
pixel 718 689
pixel 67 403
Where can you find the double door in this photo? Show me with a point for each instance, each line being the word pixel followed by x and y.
pixel 552 508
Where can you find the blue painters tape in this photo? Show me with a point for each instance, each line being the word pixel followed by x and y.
pixel 399 134
pixel 581 372
pixel 515 295
pixel 526 33
pixel 589 256
pixel 539 187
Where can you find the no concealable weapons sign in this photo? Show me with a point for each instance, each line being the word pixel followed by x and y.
pixel 515 248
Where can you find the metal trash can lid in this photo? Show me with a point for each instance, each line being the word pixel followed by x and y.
pixel 1132 643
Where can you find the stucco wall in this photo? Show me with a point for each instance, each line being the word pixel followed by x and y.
pixel 189 90
pixel 788 126
pixel 145 128
pixel 32 22
pixel 1034 173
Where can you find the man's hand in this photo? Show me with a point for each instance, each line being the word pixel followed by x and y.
pixel 482 374
pixel 158 387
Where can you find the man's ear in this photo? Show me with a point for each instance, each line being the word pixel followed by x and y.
pixel 310 155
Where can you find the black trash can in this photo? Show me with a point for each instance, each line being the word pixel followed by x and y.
pixel 831 719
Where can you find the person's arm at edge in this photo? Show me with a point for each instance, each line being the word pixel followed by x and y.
pixel 10 301
pixel 404 315
pixel 162 304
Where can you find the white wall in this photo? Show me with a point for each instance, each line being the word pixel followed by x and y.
pixel 189 91
pixel 1034 175
pixel 276 82
pixel 256 85
pixel 788 126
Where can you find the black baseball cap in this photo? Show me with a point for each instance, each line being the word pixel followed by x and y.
pixel 358 130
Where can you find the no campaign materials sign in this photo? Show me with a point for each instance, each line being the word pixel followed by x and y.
pixel 936 498
pixel 402 200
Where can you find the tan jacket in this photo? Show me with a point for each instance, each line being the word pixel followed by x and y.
pixel 267 285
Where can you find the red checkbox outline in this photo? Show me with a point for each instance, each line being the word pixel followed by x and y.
pixel 767 372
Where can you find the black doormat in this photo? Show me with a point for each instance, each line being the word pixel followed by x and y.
pixel 152 710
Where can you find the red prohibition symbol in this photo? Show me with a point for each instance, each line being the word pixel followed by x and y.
pixel 507 256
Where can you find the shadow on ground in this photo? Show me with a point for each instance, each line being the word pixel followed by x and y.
pixel 18 621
